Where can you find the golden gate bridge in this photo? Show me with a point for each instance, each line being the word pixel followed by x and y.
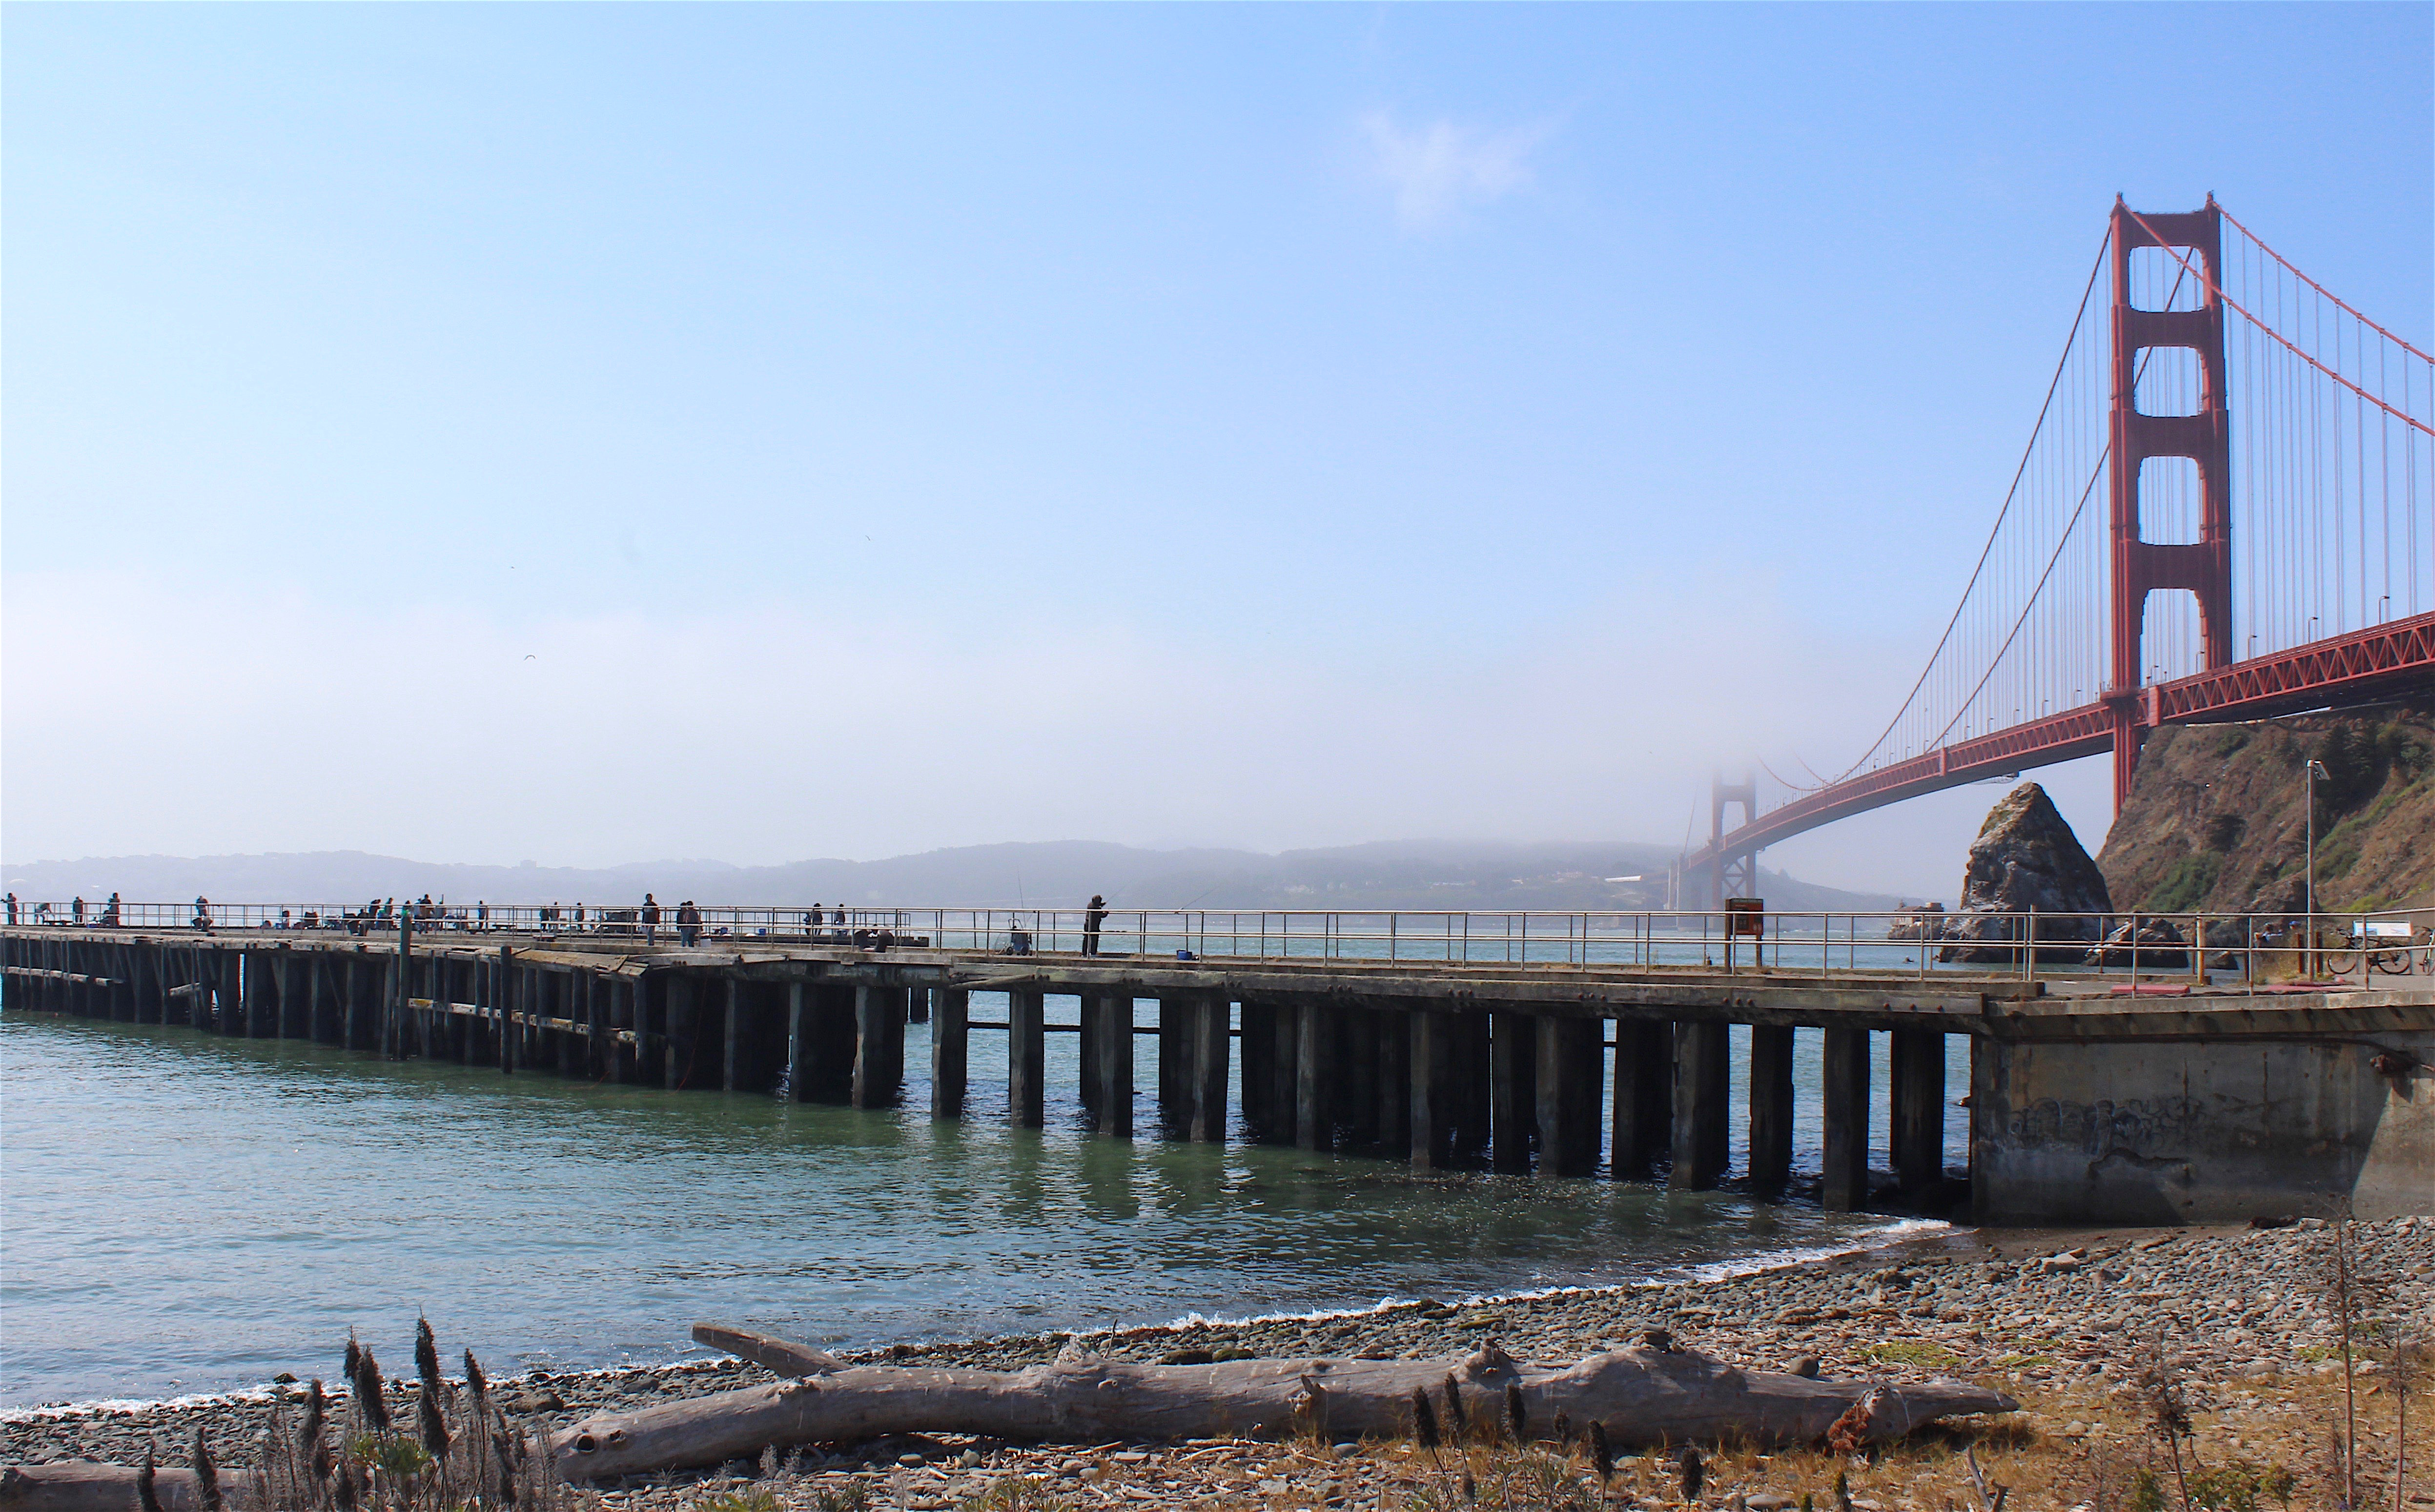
pixel 2225 510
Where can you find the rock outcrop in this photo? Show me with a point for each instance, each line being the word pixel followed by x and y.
pixel 2027 857
pixel 2216 819
pixel 2150 944
pixel 1924 921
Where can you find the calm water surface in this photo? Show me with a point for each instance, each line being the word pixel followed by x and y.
pixel 180 1213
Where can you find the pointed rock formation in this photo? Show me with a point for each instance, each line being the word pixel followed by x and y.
pixel 2027 857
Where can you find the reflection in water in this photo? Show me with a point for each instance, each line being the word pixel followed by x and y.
pixel 185 1213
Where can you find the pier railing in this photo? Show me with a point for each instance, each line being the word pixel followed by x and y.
pixel 2193 947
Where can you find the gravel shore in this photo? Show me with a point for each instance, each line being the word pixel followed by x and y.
pixel 2057 1319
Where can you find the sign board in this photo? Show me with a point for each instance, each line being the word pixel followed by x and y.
pixel 1746 916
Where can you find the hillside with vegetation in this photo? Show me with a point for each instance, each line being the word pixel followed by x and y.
pixel 2218 818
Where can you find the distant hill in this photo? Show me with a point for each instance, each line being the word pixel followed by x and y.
pixel 1407 874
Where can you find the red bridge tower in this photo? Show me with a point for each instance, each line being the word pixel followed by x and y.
pixel 2141 566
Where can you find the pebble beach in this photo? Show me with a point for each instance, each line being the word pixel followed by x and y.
pixel 2062 1321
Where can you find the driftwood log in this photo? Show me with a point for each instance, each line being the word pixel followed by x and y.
pixel 88 1486
pixel 1643 1396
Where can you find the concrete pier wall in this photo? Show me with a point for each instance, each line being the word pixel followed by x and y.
pixel 2204 1130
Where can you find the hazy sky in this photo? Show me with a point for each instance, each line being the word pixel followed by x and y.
pixel 597 433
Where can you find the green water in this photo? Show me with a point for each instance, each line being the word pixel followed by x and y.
pixel 181 1213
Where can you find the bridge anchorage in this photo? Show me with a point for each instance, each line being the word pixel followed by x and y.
pixel 2266 455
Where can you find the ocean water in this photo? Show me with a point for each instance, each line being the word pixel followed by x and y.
pixel 184 1213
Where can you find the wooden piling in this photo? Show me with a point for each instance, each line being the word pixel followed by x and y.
pixel 1212 1043
pixel 1771 1108
pixel 950 1016
pixel 1114 1020
pixel 1918 1134
pixel 1284 1076
pixel 1473 1095
pixel 1702 1090
pixel 1259 1068
pixel 1571 1078
pixel 503 1001
pixel 1844 1187
pixel 1315 1073
pixel 1430 1058
pixel 1026 1053
pixel 1175 1020
pixel 878 1046
pixel 731 1040
pixel 799 1042
pixel 1644 1096
pixel 1393 1051
pixel 1513 1071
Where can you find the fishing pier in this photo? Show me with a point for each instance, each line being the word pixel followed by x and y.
pixel 1570 1045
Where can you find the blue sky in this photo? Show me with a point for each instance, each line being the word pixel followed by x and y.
pixel 601 433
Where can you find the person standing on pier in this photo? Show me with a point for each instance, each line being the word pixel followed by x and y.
pixel 78 907
pixel 650 920
pixel 109 912
pixel 12 908
pixel 688 923
pixel 1093 917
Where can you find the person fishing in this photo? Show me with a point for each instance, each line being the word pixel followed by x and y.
pixel 1093 917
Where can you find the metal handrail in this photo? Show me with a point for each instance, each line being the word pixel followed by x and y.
pixel 2249 947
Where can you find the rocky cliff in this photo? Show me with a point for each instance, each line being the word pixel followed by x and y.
pixel 2218 818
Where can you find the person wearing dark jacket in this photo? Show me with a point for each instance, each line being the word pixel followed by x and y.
pixel 1093 917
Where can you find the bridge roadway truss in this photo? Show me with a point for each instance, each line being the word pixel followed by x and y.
pixel 1438 1064
pixel 2345 671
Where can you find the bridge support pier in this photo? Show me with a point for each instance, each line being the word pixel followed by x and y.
pixel 1702 1090
pixel 1918 1075
pixel 1025 1057
pixel 1771 1108
pixel 1644 1096
pixel 1845 1073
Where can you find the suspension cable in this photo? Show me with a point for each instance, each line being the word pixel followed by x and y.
pixel 2402 415
pixel 2314 284
pixel 2027 450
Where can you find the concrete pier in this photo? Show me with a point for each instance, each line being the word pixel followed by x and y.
pixel 2084 1105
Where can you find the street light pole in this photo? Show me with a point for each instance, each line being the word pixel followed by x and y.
pixel 2315 770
